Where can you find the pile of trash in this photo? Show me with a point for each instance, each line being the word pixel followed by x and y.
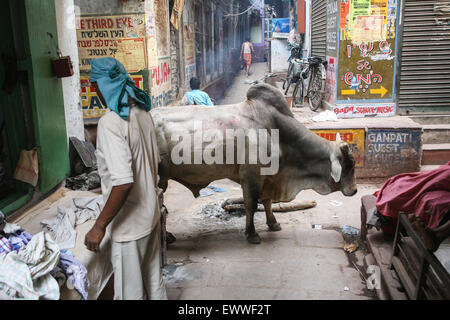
pixel 215 210
pixel 83 166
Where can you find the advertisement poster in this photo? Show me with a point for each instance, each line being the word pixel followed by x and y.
pixel 131 52
pixel 118 36
pixel 354 137
pixel 366 50
pixel 177 11
pixel 189 44
pixel 280 27
pixel 90 102
pixel 364 110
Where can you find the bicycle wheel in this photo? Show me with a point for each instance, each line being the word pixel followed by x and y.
pixel 288 78
pixel 315 93
pixel 297 94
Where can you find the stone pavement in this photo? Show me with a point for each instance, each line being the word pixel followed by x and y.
pixel 211 258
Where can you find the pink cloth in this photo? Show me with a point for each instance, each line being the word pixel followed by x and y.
pixel 424 194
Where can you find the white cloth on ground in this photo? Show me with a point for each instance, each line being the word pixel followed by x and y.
pixel 72 272
pixel 63 225
pixel 326 115
pixel 26 274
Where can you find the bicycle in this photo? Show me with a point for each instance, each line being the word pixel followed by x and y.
pixel 313 69
pixel 296 53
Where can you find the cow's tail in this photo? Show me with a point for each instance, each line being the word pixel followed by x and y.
pixel 271 96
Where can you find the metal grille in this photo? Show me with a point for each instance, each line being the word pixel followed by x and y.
pixel 319 28
pixel 425 57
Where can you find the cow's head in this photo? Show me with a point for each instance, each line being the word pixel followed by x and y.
pixel 340 174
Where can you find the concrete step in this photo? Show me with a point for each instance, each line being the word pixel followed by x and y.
pixel 431 119
pixel 428 167
pixel 435 154
pixel 436 133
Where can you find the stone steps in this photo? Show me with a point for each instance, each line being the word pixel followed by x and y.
pixel 435 154
pixel 436 133
pixel 431 119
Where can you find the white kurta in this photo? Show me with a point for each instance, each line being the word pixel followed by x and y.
pixel 127 152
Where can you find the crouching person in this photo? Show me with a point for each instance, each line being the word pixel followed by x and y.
pixel 128 157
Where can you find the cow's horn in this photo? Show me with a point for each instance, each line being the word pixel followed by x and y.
pixel 336 168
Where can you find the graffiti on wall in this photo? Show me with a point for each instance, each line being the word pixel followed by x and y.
pixel 366 49
pixel 90 102
pixel 354 137
pixel 118 36
pixel 160 83
pixel 390 148
pixel 158 52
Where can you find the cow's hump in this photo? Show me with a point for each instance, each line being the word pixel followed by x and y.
pixel 271 96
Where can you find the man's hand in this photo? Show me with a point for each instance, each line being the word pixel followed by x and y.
pixel 115 201
pixel 94 237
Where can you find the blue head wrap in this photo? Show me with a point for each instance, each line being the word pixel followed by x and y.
pixel 116 86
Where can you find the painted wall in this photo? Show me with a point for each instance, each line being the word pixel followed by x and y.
pixel 67 42
pixel 279 55
pixel 158 48
pixel 136 33
pixel 365 77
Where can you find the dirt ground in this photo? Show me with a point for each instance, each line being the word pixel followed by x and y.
pixel 211 258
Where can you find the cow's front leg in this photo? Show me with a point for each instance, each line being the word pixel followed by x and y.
pixel 250 191
pixel 271 221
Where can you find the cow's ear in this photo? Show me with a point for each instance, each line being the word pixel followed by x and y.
pixel 336 168
pixel 345 148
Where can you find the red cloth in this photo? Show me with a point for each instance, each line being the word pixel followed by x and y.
pixel 248 59
pixel 424 194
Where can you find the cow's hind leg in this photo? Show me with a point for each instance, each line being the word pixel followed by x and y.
pixel 271 221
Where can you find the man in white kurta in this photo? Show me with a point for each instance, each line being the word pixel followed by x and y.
pixel 127 160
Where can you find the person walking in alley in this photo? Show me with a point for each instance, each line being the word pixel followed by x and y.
pixel 128 158
pixel 246 54
pixel 196 96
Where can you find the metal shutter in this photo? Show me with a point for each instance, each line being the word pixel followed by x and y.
pixel 425 57
pixel 319 28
